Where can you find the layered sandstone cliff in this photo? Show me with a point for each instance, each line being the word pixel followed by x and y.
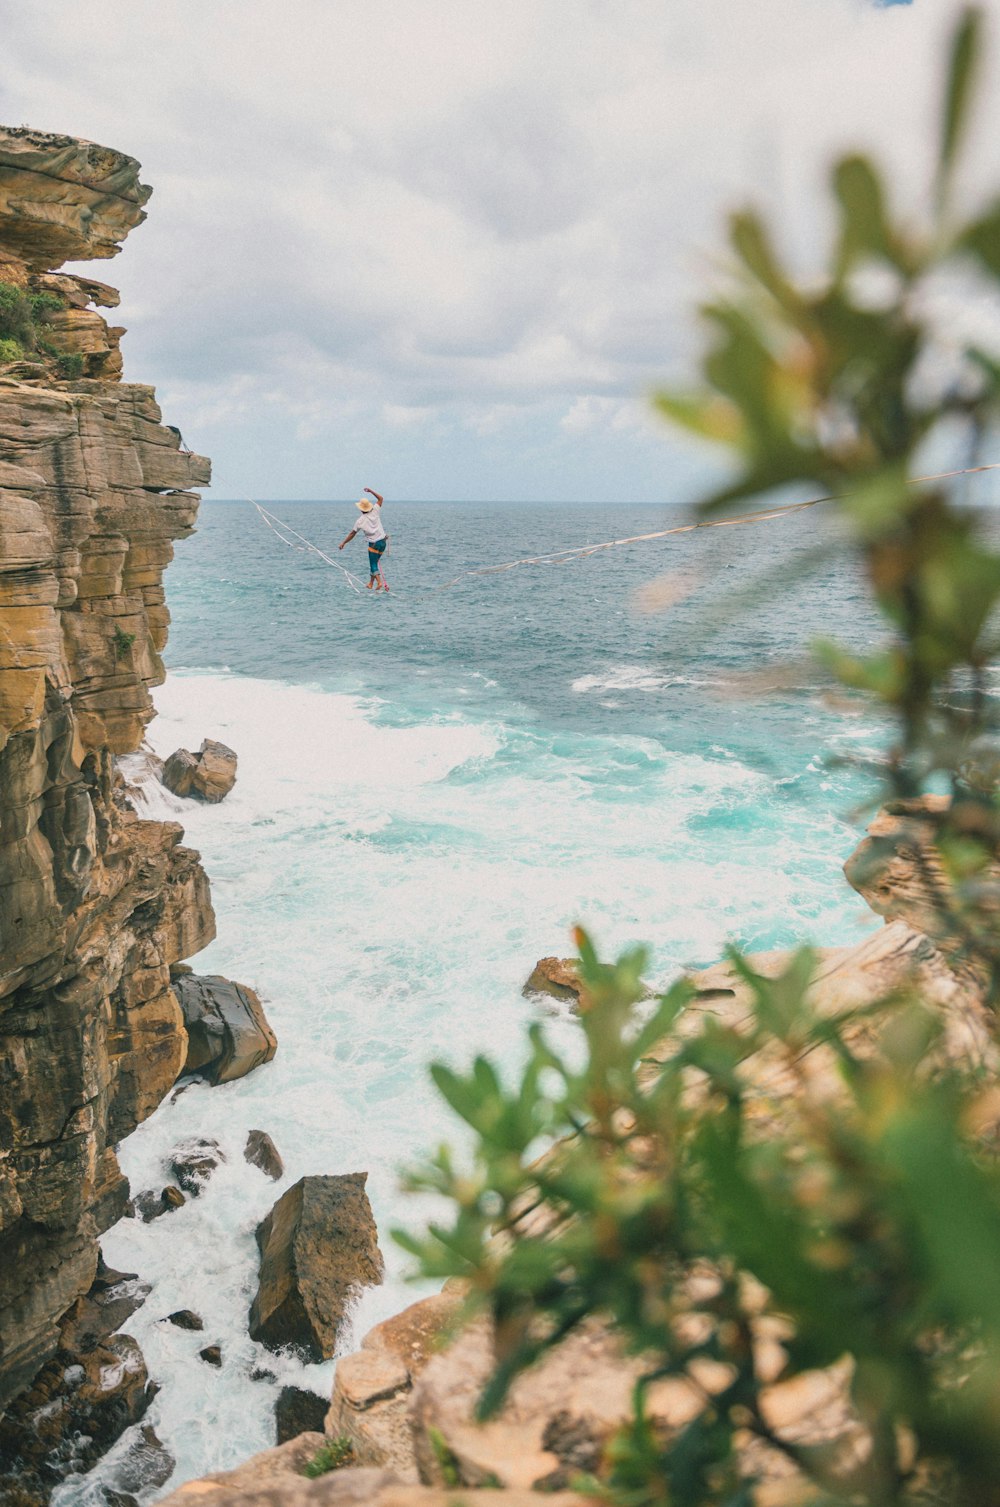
pixel 95 904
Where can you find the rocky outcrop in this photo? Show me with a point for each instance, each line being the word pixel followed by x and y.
pixel 898 870
pixel 95 903
pixel 372 1388
pixel 318 1246
pixel 228 1033
pixel 208 775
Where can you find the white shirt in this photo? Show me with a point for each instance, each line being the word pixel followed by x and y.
pixel 370 524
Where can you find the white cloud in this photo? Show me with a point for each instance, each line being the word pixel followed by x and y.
pixel 373 211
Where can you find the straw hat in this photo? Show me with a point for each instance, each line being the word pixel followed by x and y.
pixel 365 504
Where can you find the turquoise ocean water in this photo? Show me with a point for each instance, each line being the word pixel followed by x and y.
pixel 432 789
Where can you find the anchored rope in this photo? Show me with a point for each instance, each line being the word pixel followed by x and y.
pixel 584 551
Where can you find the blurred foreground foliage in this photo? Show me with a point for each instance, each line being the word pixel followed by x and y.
pixel 750 1201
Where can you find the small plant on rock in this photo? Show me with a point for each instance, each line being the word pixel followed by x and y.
pixel 122 642
pixel 333 1455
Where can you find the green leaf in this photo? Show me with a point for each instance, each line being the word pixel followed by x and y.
pixel 752 245
pixel 965 47
pixel 865 228
pixel 706 415
pixel 981 240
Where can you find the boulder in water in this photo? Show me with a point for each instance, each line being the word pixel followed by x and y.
pixel 318 1246
pixel 557 977
pixel 298 1412
pixel 228 1033
pixel 260 1151
pixel 184 1318
pixel 194 1161
pixel 208 775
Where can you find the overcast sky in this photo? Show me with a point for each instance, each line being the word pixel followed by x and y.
pixel 446 248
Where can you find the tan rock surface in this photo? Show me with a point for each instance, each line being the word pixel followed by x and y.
pixel 372 1387
pixel 319 1247
pixel 95 903
pixel 274 1479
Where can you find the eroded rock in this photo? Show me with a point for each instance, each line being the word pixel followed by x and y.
pixel 208 775
pixel 228 1032
pixel 318 1246
pixel 95 903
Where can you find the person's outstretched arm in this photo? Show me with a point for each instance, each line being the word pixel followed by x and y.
pixel 348 539
pixel 377 498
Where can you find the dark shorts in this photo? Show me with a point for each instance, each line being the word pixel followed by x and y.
pixel 376 549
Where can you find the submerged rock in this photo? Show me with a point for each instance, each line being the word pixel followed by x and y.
pixel 228 1032
pixel 298 1411
pixel 149 1205
pixel 211 1355
pixel 185 1318
pixel 194 1161
pixel 208 775
pixel 260 1151
pixel 318 1246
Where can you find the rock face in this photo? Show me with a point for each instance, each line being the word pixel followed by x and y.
pixel 228 1033
pixel 318 1246
pixel 208 775
pixel 95 903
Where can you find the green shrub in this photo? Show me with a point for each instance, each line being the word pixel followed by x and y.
pixel 330 1456
pixel 122 641
pixel 10 350
pixel 70 365
pixel 23 317
pixel 860 1219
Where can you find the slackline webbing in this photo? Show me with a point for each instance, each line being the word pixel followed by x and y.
pixel 295 540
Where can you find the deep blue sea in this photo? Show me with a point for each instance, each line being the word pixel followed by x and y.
pixel 433 787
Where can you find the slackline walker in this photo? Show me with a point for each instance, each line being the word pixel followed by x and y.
pixel 295 540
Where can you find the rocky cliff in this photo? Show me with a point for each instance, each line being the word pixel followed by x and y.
pixel 95 904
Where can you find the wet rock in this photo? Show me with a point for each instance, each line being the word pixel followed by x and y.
pixel 261 1373
pixel 228 1032
pixel 208 775
pixel 193 1163
pixel 149 1205
pixel 146 1467
pixel 211 1355
pixel 298 1411
pixel 103 1310
pixel 76 1407
pixel 556 977
pixel 318 1246
pixel 260 1151
pixel 184 1318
